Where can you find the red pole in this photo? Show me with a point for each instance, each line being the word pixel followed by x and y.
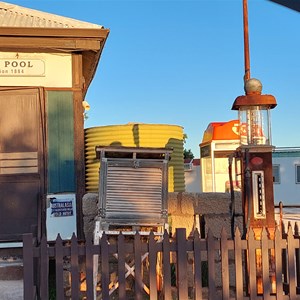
pixel 246 41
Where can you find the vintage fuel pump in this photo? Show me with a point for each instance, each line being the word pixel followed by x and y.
pixel 255 152
pixel 255 156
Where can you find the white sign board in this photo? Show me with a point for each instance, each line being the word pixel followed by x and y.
pixel 22 67
pixel 61 216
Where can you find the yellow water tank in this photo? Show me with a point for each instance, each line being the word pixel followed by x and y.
pixel 135 135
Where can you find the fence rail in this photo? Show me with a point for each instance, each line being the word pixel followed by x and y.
pixel 162 268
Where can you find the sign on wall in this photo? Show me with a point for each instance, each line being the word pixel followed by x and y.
pixel 61 207
pixel 22 67
pixel 61 216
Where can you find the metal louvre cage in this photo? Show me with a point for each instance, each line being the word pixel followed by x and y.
pixel 133 185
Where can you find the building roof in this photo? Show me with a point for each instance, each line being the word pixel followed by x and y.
pixel 23 29
pixel 12 15
pixel 221 131
pixel 286 152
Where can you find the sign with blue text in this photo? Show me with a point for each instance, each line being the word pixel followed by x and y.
pixel 61 208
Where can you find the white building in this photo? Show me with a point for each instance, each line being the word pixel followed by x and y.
pixel 220 140
pixel 286 173
pixel 192 175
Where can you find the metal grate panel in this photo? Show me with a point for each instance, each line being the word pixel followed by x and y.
pixel 133 191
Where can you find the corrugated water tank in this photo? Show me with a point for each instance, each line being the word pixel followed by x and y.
pixel 136 135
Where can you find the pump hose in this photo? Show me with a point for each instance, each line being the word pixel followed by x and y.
pixel 232 198
pixel 247 187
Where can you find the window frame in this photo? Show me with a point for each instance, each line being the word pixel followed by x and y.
pixel 296 173
pixel 274 177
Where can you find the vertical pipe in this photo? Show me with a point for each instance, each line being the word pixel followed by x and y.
pixel 232 205
pixel 280 216
pixel 246 41
pixel 213 168
pixel 247 192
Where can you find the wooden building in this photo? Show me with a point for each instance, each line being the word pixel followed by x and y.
pixel 47 63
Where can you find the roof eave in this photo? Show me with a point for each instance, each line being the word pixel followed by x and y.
pixel 54 32
pixel 88 41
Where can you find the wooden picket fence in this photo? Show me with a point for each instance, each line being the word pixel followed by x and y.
pixel 152 267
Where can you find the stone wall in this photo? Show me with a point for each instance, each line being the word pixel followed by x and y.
pixel 89 211
pixel 215 208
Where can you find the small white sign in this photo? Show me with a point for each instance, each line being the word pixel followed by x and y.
pixel 22 67
pixel 61 216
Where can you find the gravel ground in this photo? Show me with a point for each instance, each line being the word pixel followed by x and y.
pixel 11 289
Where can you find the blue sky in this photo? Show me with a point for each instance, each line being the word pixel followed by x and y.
pixel 182 62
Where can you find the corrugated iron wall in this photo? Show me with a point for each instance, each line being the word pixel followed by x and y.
pixel 61 171
pixel 136 135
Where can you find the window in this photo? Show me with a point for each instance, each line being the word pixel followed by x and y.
pixel 297 173
pixel 276 174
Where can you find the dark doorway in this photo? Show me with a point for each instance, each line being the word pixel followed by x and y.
pixel 21 162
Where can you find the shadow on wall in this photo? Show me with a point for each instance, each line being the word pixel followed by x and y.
pixel 176 166
pixel 136 135
pixel 116 144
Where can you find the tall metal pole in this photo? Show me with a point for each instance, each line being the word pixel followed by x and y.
pixel 246 41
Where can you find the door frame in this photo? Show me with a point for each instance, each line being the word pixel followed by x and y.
pixel 42 156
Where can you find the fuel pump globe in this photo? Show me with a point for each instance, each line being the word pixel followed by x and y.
pixel 254 125
pixel 253 86
pixel 254 114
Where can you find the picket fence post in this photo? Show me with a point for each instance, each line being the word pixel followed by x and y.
pixel 59 270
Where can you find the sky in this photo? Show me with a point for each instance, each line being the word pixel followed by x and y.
pixel 181 62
